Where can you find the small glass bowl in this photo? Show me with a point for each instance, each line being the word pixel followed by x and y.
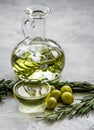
pixel 31 95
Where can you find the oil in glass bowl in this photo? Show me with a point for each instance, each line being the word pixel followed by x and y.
pixel 31 95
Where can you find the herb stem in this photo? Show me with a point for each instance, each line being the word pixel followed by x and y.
pixel 74 110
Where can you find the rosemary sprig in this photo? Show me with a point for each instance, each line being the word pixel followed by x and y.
pixel 6 87
pixel 76 86
pixel 78 109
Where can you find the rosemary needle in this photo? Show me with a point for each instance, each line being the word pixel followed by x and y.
pixel 6 87
pixel 78 109
pixel 76 86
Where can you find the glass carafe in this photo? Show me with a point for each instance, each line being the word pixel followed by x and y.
pixel 37 57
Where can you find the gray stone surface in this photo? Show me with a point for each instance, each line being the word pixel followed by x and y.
pixel 71 24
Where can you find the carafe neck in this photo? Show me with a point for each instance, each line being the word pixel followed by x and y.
pixel 37 29
pixel 34 25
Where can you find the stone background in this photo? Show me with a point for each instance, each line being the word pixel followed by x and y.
pixel 71 24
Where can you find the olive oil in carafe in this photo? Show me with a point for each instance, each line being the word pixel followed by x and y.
pixel 39 62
